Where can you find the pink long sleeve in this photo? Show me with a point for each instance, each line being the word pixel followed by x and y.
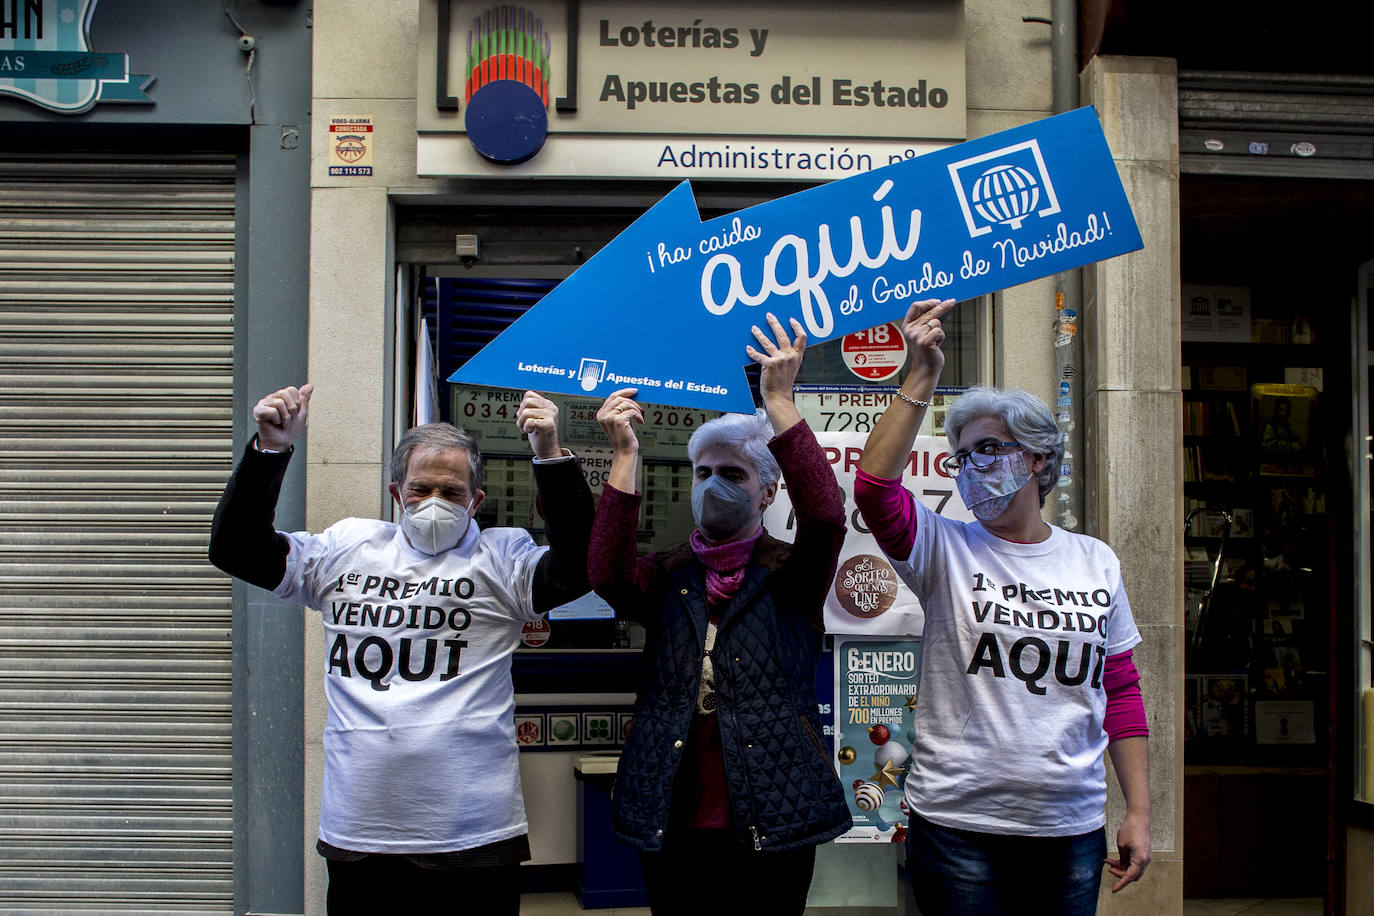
pixel 888 510
pixel 1125 716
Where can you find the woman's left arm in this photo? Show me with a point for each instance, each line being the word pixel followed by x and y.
pixel 818 506
pixel 816 498
pixel 614 570
pixel 1128 745
pixel 1131 760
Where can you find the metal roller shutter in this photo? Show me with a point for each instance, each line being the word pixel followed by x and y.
pixel 1275 124
pixel 116 383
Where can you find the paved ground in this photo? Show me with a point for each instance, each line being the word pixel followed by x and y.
pixel 1294 906
pixel 565 904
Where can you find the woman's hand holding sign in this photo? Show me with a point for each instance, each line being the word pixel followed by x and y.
pixel 890 443
pixel 617 416
pixel 924 334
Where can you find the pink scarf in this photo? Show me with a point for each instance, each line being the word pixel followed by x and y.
pixel 725 564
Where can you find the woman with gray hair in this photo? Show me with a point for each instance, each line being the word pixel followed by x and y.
pixel 725 784
pixel 1026 673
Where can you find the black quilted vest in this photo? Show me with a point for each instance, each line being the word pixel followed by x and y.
pixel 782 786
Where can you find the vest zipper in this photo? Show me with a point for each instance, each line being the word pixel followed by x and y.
pixel 748 784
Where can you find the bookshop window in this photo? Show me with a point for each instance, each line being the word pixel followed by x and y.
pixel 1256 479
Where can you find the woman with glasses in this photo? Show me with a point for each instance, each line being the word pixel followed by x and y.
pixel 1026 671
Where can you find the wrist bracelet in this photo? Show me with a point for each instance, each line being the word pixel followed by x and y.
pixel 913 401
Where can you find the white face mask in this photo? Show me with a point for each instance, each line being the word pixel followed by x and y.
pixel 434 525
pixel 988 493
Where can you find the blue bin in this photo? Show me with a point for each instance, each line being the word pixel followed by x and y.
pixel 608 871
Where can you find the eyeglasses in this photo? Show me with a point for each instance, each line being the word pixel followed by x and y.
pixel 980 457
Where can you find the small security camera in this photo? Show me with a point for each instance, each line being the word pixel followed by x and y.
pixel 247 43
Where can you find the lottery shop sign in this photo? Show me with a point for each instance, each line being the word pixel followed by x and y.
pixel 683 295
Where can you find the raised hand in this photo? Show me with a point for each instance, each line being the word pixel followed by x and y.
pixel 924 334
pixel 281 416
pixel 617 416
pixel 781 358
pixel 537 417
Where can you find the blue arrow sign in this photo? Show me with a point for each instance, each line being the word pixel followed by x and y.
pixel 667 306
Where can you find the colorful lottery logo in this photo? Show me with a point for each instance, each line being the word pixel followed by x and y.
pixel 507 84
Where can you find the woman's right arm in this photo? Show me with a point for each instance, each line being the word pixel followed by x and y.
pixel 888 509
pixel 889 445
pixel 614 569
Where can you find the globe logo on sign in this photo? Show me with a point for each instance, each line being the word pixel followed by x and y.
pixel 1003 188
pixel 1006 194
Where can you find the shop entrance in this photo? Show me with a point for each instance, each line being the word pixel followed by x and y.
pixel 1269 270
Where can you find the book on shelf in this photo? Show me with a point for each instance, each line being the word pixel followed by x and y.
pixel 1210 463
pixel 1221 378
pixel 1208 418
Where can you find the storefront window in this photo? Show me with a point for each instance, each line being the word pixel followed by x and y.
pixel 878 360
pixel 845 384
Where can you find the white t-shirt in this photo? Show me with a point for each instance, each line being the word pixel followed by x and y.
pixel 419 746
pixel 1008 723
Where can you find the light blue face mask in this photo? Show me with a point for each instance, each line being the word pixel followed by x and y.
pixel 721 508
pixel 988 493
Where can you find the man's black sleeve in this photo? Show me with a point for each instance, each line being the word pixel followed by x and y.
pixel 243 540
pixel 561 574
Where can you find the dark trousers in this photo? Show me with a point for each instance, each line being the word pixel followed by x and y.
pixel 962 873
pixel 381 884
pixel 706 872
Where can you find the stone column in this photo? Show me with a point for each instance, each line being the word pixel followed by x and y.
pixel 1134 452
pixel 364 65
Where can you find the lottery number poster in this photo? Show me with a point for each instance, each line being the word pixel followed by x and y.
pixel 875 701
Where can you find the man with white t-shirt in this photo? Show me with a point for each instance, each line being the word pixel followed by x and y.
pixel 421 797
